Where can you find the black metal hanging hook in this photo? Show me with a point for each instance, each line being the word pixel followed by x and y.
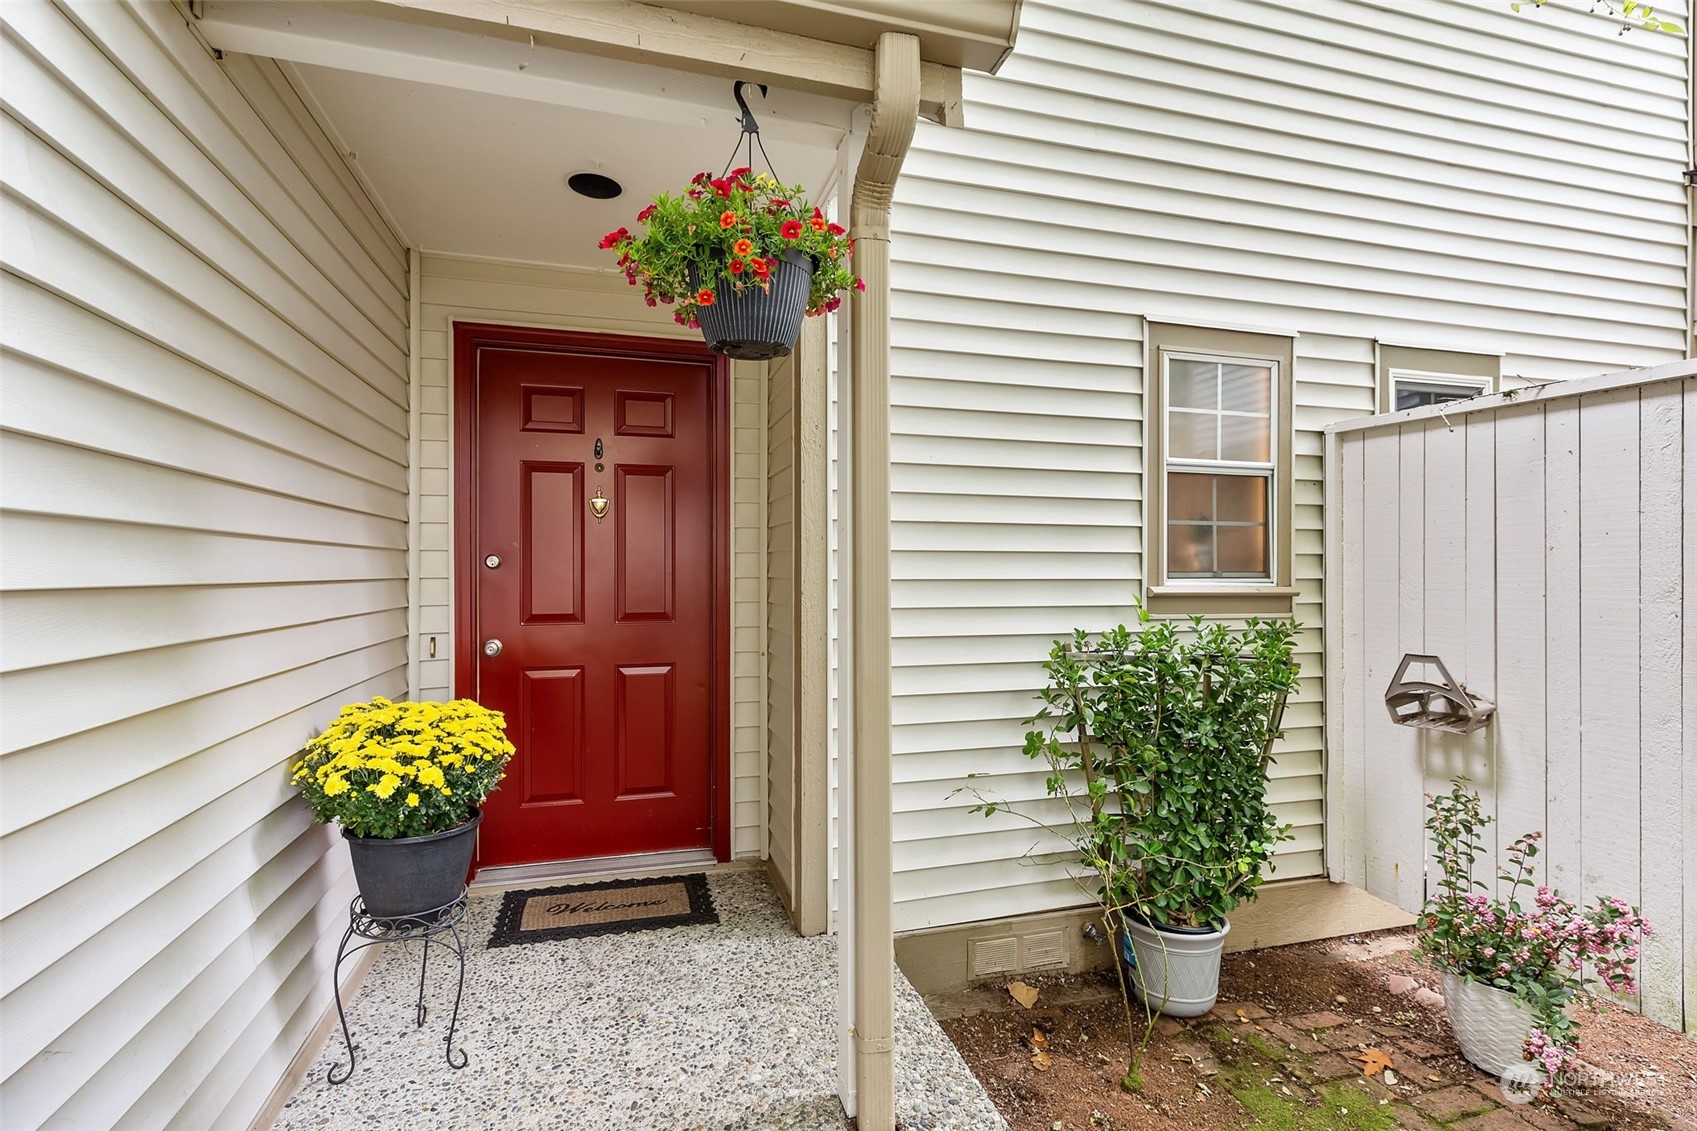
pixel 749 125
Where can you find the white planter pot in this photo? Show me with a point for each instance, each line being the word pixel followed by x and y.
pixel 1490 1025
pixel 1176 972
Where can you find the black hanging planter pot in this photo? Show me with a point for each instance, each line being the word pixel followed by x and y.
pixel 758 324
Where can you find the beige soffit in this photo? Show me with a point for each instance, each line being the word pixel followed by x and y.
pixel 976 35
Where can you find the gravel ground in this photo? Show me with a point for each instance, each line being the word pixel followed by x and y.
pixel 727 1027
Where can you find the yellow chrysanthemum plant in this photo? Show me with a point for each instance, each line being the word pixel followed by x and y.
pixel 386 770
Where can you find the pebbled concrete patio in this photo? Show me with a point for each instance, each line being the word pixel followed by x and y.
pixel 727 1027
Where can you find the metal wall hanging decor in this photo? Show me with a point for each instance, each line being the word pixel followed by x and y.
pixel 1441 704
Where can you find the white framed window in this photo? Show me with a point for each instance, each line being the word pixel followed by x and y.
pixel 1221 446
pixel 1217 470
pixel 1414 388
pixel 1411 376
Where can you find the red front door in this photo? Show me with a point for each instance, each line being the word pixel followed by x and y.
pixel 589 569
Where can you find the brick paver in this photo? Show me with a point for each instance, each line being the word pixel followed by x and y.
pixel 1498 1120
pixel 1452 1103
pixel 1322 1020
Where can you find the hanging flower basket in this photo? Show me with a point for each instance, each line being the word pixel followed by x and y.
pixel 759 323
pixel 742 256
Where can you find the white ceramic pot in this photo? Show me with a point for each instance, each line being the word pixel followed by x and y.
pixel 1176 972
pixel 1490 1025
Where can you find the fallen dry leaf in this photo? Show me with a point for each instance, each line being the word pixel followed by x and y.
pixel 1039 1039
pixel 1373 1061
pixel 1040 1060
pixel 1024 994
pixel 1242 1017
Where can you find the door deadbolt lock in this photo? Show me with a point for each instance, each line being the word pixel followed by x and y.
pixel 493 561
pixel 491 648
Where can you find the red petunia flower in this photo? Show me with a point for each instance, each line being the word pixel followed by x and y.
pixel 645 214
pixel 723 188
pixel 860 284
pixel 727 219
pixel 742 172
pixel 836 229
pixel 791 230
pixel 611 238
pixel 704 297
pixel 818 220
pixel 780 203
pixel 700 178
pixel 762 267
pixel 744 248
pixel 737 265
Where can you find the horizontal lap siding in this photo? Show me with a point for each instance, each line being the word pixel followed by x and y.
pixel 1313 167
pixel 468 290
pixel 204 505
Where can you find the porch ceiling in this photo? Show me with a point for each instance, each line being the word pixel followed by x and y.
pixel 472 173
pixel 466 139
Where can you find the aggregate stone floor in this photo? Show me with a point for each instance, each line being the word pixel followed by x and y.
pixel 728 1027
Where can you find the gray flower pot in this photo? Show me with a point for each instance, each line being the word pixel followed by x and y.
pixel 758 324
pixel 1174 970
pixel 409 875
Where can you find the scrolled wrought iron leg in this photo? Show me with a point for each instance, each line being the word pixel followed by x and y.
pixel 341 1014
pixel 459 991
pixel 423 967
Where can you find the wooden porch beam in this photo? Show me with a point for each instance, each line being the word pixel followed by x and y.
pixel 703 45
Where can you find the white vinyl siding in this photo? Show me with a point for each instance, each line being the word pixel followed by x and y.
pixel 469 290
pixel 1347 171
pixel 204 493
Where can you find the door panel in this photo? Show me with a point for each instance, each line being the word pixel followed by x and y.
pixel 606 669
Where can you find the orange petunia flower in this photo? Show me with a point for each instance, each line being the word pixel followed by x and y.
pixel 728 219
pixel 762 267
pixel 704 297
pixel 743 248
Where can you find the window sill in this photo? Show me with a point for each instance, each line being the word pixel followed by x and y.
pixel 1221 600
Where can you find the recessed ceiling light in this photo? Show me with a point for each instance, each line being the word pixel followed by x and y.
pixel 594 185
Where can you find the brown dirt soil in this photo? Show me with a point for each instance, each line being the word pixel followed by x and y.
pixel 1652 1081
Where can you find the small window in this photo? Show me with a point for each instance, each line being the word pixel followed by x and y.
pixel 1217 533
pixel 1411 376
pixel 1416 390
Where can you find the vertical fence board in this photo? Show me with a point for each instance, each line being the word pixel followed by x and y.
pixel 1662 769
pixel 1351 786
pixel 1388 766
pixel 1521 701
pixel 1608 638
pixel 1479 594
pixel 1688 711
pixel 1562 796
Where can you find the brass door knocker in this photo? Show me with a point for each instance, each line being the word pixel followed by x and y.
pixel 599 504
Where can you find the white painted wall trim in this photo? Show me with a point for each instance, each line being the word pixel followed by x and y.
pixel 414 639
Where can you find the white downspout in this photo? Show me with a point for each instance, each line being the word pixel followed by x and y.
pixel 895 112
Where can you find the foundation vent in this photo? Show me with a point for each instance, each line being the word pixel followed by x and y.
pixel 1042 951
pixel 992 956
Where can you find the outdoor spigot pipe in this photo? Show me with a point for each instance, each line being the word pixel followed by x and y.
pixel 895 111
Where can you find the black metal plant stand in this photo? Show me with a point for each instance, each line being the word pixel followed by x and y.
pixel 433 928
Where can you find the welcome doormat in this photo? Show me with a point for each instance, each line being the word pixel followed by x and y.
pixel 607 908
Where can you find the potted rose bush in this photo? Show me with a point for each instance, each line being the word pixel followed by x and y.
pixel 1514 963
pixel 742 257
pixel 405 782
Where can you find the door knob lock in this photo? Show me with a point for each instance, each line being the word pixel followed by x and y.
pixel 492 648
pixel 493 561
